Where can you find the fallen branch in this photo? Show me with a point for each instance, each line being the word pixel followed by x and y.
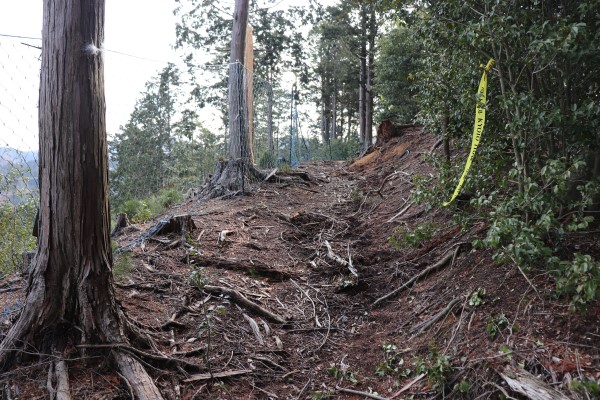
pixel 447 257
pixel 243 301
pixel 358 392
pixel 334 257
pixel 400 213
pixel 528 385
pixel 216 375
pixel 408 386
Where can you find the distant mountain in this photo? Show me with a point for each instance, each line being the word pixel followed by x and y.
pixel 18 174
pixel 14 156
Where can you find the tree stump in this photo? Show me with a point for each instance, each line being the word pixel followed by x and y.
pixel 122 222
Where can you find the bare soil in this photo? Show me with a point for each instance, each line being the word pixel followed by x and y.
pixel 271 247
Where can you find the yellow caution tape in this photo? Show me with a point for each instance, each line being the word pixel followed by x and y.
pixel 478 128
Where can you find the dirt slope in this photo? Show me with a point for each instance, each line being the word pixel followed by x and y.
pixel 461 325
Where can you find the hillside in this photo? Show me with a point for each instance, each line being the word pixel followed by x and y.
pixel 312 250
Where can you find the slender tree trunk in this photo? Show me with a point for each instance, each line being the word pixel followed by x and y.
pixel 238 139
pixel 362 88
pixel 372 33
pixel 70 296
pixel 334 111
pixel 446 137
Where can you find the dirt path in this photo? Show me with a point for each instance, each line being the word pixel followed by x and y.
pixel 316 255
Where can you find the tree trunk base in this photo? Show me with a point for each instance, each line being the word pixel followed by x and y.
pixel 230 178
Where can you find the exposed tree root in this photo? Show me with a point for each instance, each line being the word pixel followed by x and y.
pixel 243 301
pixel 231 177
pixel 256 267
pixel 439 315
pixel 138 379
pixel 442 262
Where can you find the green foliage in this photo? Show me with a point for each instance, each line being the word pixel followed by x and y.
pixel 137 210
pixel 477 297
pixel 122 266
pixel 17 216
pixel 342 371
pixel 496 324
pixel 392 362
pixel 336 149
pixel 462 387
pixel 579 280
pixel 589 387
pixel 397 63
pixel 437 368
pixel 267 160
pixel 198 279
pixel 414 237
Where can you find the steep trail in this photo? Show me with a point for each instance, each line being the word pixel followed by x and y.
pixel 316 254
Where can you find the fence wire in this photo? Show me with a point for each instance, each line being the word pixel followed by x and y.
pixel 19 83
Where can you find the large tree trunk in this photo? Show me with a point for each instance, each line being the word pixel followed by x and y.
pixel 70 298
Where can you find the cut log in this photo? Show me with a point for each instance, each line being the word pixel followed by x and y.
pixel 528 385
pixel 179 224
pixel 387 129
pixel 122 222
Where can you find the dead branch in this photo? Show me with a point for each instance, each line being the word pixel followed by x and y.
pixel 400 213
pixel 419 328
pixel 528 385
pixel 358 392
pixel 334 257
pixel 216 375
pixel 243 301
pixel 255 328
pixel 407 386
pixel 442 262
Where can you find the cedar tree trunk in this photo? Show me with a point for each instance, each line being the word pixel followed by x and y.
pixel 70 298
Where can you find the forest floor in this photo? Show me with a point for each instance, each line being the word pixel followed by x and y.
pixel 314 256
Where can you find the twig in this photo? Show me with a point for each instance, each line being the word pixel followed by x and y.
pixel 334 257
pixel 405 209
pixel 358 392
pixel 447 257
pixel 224 374
pixel 408 386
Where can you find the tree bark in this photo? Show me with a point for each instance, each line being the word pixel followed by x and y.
pixel 371 35
pixel 70 295
pixel 238 142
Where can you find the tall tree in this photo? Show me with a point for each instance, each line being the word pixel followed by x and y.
pixel 70 298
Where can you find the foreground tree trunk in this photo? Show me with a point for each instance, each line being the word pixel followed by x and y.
pixel 70 299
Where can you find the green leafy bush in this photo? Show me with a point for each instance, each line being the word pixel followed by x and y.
pixel 414 237
pixel 579 280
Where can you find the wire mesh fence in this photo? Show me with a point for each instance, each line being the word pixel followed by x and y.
pixel 19 82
